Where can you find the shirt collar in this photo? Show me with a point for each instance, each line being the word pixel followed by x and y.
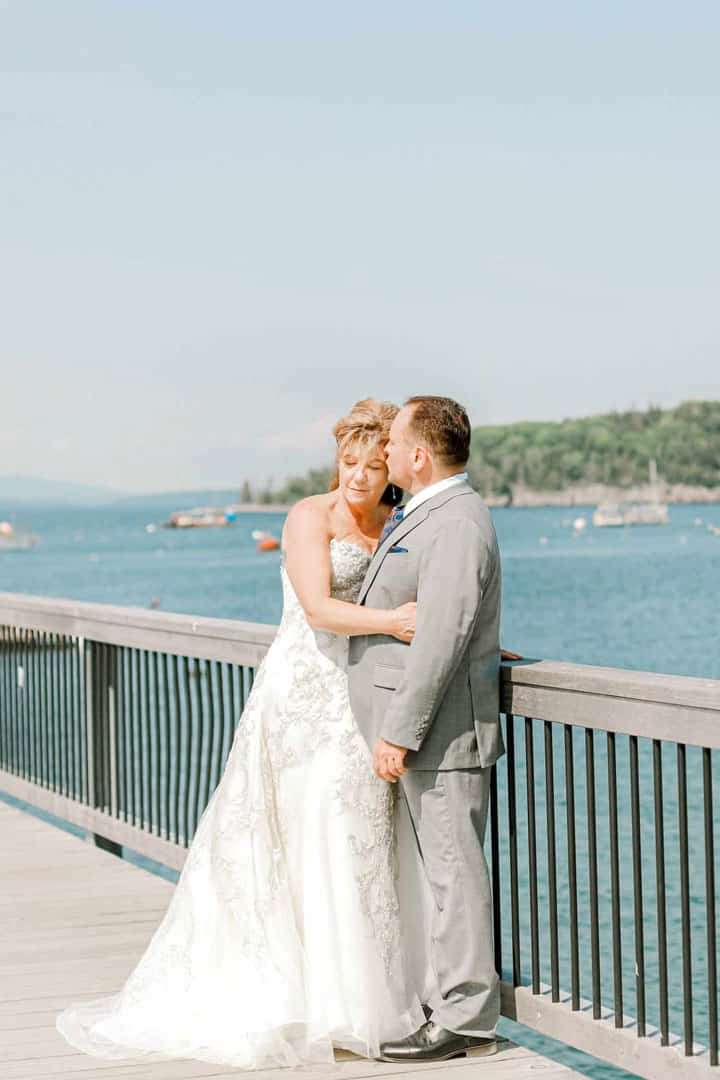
pixel 433 489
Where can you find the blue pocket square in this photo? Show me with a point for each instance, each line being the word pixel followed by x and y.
pixel 397 551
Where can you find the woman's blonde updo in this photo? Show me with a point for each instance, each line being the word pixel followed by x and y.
pixel 367 423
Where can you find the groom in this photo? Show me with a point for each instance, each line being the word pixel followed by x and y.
pixel 430 710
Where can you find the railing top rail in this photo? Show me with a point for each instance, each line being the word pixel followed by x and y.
pixel 683 690
pixel 184 635
pixel 672 708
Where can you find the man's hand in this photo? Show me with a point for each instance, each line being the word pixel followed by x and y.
pixel 389 760
pixel 505 654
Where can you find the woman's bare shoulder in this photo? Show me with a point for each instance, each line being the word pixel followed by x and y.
pixel 311 513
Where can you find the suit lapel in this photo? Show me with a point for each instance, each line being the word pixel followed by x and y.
pixel 413 519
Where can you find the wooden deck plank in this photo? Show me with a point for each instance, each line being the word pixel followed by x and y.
pixel 75 919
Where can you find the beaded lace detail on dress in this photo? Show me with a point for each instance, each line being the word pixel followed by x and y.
pixel 282 936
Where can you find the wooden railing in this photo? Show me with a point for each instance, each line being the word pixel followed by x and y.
pixel 601 845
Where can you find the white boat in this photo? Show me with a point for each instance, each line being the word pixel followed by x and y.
pixel 630 513
pixel 652 511
pixel 609 515
pixel 12 539
pixel 201 517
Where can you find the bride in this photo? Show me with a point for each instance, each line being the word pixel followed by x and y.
pixel 282 937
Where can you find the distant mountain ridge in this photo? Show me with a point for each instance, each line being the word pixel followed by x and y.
pixel 18 489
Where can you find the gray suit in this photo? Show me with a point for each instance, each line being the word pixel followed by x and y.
pixel 440 698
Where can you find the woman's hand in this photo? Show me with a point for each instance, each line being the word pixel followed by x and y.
pixel 403 622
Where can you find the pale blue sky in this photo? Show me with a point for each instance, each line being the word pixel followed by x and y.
pixel 223 222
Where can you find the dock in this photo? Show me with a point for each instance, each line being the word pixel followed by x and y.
pixel 74 921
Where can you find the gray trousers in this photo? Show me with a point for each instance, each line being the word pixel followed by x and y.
pixel 449 811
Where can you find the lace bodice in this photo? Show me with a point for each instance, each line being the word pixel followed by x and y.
pixel 349 565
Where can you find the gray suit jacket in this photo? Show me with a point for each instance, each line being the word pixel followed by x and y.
pixel 438 696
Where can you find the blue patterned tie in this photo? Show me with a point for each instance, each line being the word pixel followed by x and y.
pixel 394 519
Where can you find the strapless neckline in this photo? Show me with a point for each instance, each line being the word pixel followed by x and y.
pixel 350 544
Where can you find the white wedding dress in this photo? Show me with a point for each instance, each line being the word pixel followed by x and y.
pixel 282 938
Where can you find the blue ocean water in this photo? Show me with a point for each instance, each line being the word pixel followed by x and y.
pixel 642 598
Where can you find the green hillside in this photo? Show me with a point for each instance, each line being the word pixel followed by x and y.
pixel 614 449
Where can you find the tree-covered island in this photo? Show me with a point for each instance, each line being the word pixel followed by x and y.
pixel 576 462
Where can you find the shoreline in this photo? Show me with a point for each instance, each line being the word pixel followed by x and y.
pixel 594 494
pixel 584 496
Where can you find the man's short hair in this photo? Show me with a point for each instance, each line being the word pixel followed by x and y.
pixel 441 425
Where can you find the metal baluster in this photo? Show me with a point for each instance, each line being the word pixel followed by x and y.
pixel 513 840
pixel 15 738
pixel 213 718
pixel 615 878
pixel 23 711
pixel 28 704
pixel 133 679
pixel 41 711
pixel 200 777
pixel 55 715
pixel 637 887
pixel 47 710
pixel 82 705
pixel 154 707
pixel 111 714
pixel 685 898
pixel 532 855
pixel 138 767
pixel 229 713
pixel 188 801
pixel 31 707
pixel 167 765
pixel 146 742
pixel 572 868
pixel 593 872
pixel 243 695
pixel 122 733
pixel 660 892
pixel 65 713
pixel 710 904
pixel 552 861
pixel 177 751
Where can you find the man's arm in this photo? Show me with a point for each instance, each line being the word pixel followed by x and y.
pixel 452 575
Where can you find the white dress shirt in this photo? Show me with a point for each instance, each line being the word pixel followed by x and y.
pixel 433 489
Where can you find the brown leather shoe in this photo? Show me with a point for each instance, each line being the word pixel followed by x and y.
pixel 434 1043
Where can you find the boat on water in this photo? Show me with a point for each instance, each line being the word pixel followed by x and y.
pixel 12 539
pixel 651 511
pixel 265 541
pixel 201 517
pixel 612 515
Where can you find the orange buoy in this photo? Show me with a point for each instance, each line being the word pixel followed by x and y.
pixel 269 543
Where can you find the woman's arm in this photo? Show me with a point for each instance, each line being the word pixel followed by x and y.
pixel 306 543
